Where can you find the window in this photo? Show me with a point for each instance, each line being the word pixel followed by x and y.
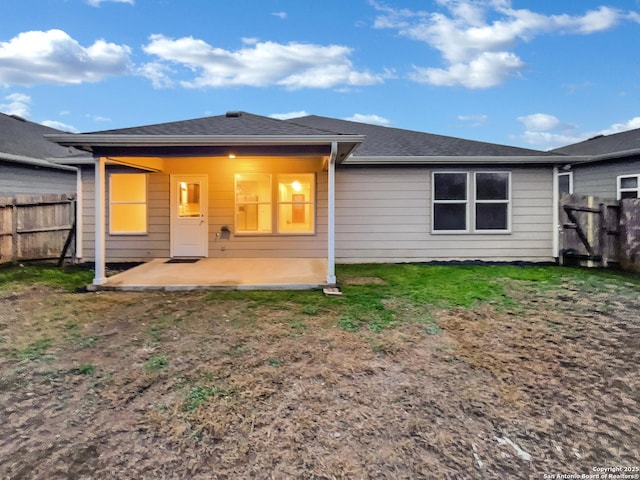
pixel 295 203
pixel 450 210
pixel 286 207
pixel 565 183
pixel 459 204
pixel 492 201
pixel 253 203
pixel 127 203
pixel 628 186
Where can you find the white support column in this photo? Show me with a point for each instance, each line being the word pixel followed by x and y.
pixel 100 199
pixel 331 227
pixel 555 215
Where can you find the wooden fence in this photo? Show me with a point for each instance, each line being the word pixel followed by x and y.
pixel 600 231
pixel 36 227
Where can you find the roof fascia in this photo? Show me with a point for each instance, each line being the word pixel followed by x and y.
pixel 107 140
pixel 608 156
pixel 36 162
pixel 456 160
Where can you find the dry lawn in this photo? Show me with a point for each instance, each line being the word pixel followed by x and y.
pixel 187 386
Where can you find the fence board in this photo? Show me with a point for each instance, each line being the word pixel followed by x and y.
pixel 35 227
pixel 601 230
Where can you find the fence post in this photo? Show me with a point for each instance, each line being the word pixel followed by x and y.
pixel 603 236
pixel 14 231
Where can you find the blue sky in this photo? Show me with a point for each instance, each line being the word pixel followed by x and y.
pixel 526 73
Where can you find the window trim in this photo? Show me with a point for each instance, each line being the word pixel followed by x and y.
pixel 237 204
pixel 507 201
pixel 565 174
pixel 450 202
pixel 471 202
pixel 274 180
pixel 145 203
pixel 312 203
pixel 620 190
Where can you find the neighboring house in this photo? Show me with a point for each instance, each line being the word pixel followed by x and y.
pixel 603 166
pixel 24 168
pixel 245 186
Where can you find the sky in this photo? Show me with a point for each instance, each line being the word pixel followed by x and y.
pixel 528 73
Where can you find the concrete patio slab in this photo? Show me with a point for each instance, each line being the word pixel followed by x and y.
pixel 222 273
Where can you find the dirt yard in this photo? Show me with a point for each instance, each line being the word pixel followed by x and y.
pixel 184 386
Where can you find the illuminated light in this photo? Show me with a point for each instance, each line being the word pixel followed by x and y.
pixel 232 155
pixel 296 186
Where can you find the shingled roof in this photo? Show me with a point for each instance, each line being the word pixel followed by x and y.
pixel 623 142
pixel 387 141
pixel 232 123
pixel 22 137
pixel 22 141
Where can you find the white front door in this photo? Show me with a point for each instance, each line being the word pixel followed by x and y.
pixel 189 226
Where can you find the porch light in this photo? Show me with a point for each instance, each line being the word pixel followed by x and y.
pixel 296 185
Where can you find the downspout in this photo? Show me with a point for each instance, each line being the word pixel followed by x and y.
pixel 331 227
pixel 100 200
pixel 78 219
pixel 555 216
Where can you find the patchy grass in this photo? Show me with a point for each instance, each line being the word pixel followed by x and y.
pixel 414 372
pixel 33 351
pixel 67 278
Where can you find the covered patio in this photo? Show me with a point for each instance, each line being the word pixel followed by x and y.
pixel 221 274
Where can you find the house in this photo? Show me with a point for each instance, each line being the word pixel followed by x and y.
pixel 245 187
pixel 604 166
pixel 24 168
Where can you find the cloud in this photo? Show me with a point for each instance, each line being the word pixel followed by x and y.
pixel 476 38
pixel 539 122
pixel 53 57
pixel 489 69
pixel 60 126
pixel 287 116
pixel 280 15
pixel 98 118
pixel 622 127
pixel 475 120
pixel 18 104
pixel 371 118
pixel 292 65
pixel 97 3
pixel 546 131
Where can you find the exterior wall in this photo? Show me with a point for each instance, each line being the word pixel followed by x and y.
pixel 599 179
pixel 18 179
pixel 221 211
pixel 384 215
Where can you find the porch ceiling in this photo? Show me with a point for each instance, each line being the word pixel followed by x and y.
pixel 222 273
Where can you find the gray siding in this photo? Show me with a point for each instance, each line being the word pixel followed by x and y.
pixel 16 179
pixel 599 179
pixel 384 215
pixel 221 173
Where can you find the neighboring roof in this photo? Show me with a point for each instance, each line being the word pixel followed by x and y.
pixel 387 143
pixel 606 147
pixel 22 141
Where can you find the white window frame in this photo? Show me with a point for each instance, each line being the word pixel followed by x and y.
pixel 145 203
pixel 507 201
pixel 278 203
pixel 434 202
pixel 620 190
pixel 258 203
pixel 471 202
pixel 566 174
pixel 274 203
